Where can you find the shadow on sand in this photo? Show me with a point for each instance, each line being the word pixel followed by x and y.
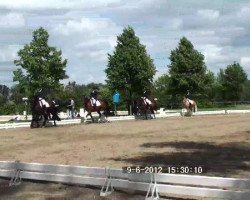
pixel 217 159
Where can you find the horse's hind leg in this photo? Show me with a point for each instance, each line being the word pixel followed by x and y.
pixel 146 114
pixel 32 124
pixel 100 116
pixel 153 112
pixel 92 118
pixel 106 116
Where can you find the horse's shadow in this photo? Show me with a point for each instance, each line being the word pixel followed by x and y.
pixel 217 159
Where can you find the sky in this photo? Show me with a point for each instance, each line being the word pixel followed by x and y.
pixel 86 31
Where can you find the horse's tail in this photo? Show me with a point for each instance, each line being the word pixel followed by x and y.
pixel 195 108
pixel 137 105
pixel 107 109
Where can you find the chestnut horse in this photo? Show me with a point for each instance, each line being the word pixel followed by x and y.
pixel 90 108
pixel 190 105
pixel 141 107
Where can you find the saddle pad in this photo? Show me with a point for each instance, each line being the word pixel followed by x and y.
pixel 98 103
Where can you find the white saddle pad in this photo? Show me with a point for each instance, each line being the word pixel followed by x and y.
pixel 146 100
pixel 44 103
pixel 97 102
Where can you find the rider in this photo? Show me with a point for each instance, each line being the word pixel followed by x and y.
pixel 146 98
pixel 41 98
pixel 93 97
pixel 53 102
pixel 189 97
pixel 44 102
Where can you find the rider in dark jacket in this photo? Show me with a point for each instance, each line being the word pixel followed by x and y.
pixel 188 95
pixel 145 94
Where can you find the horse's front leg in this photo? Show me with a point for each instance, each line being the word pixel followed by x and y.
pixel 44 122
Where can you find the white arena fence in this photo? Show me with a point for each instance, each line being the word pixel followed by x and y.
pixel 27 124
pixel 109 179
pixel 159 114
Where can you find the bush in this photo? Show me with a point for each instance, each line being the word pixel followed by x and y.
pixel 8 109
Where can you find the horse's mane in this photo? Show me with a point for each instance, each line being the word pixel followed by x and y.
pixel 85 101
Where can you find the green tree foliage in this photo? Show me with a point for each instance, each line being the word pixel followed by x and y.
pixel 130 69
pixel 78 91
pixel 188 71
pixel 41 66
pixel 232 80
pixel 246 91
pixel 161 91
pixel 16 94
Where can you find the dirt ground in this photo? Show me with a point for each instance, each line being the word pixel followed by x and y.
pixel 221 144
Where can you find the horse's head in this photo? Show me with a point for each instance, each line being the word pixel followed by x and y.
pixel 85 99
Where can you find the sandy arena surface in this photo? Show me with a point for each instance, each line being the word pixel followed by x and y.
pixel 219 143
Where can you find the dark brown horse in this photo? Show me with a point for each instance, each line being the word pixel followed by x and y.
pixel 99 108
pixel 142 107
pixel 41 114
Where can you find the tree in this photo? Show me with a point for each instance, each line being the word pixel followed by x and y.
pixel 4 94
pixel 42 66
pixel 161 91
pixel 246 91
pixel 232 80
pixel 188 71
pixel 130 69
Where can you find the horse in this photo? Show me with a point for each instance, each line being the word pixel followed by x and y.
pixel 53 110
pixel 90 108
pixel 41 113
pixel 190 105
pixel 141 107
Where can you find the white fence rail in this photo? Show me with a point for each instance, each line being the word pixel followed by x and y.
pixel 159 114
pixel 27 124
pixel 165 184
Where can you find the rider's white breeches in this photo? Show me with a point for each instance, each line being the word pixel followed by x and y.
pixel 45 103
pixel 93 100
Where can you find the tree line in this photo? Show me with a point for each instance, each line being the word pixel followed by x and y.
pixel 130 71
